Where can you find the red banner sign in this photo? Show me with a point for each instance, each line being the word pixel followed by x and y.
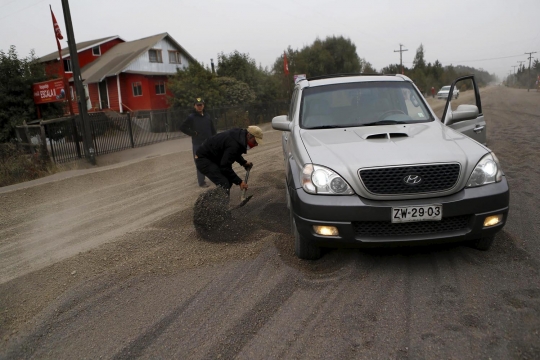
pixel 49 91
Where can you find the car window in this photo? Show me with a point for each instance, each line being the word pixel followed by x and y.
pixel 292 106
pixel 361 104
pixel 447 88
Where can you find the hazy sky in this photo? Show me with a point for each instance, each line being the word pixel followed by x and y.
pixel 489 34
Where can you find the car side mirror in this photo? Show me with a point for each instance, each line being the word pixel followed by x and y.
pixel 281 123
pixel 464 112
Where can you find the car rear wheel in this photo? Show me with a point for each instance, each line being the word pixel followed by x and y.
pixel 484 243
pixel 303 248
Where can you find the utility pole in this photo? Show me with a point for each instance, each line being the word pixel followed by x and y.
pixel 89 150
pixel 400 56
pixel 529 79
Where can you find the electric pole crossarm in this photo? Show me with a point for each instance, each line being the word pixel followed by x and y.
pixel 400 56
pixel 530 57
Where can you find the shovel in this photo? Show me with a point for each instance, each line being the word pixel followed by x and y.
pixel 243 198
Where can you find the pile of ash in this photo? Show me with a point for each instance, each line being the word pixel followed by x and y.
pixel 213 219
pixel 211 210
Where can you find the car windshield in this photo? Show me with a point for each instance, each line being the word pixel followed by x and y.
pixel 446 88
pixel 361 104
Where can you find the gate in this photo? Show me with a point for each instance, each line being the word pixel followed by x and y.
pixel 115 132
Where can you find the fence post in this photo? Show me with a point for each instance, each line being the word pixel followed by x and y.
pixel 93 135
pixel 130 129
pixel 19 142
pixel 75 137
pixel 44 152
pixel 27 133
pixel 52 145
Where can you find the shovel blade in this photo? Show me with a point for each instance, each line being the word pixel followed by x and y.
pixel 243 202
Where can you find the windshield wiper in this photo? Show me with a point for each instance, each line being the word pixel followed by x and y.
pixel 325 127
pixel 384 122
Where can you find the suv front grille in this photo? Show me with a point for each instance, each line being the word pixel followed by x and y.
pixel 385 228
pixel 391 180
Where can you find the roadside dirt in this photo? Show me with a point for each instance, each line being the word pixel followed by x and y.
pixel 108 264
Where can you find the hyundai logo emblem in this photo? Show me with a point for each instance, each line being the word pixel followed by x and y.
pixel 412 179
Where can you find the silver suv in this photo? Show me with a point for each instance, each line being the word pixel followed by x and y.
pixel 367 161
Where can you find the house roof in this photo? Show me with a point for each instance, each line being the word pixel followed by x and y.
pixel 80 47
pixel 122 55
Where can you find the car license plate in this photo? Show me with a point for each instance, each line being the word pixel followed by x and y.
pixel 416 213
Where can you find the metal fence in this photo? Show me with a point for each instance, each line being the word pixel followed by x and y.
pixel 62 138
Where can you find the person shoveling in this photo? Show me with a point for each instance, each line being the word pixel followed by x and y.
pixel 214 159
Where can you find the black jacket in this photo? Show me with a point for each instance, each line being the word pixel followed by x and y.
pixel 199 127
pixel 224 149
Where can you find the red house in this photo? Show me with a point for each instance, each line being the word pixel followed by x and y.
pixel 124 75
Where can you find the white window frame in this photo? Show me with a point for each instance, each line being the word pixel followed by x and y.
pixel 67 68
pixel 159 57
pixel 98 50
pixel 160 84
pixel 133 85
pixel 177 58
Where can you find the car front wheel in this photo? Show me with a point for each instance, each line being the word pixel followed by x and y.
pixel 303 248
pixel 484 243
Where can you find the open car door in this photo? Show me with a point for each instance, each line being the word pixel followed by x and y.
pixel 465 115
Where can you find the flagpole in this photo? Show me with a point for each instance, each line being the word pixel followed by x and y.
pixel 287 75
pixel 63 71
pixel 89 149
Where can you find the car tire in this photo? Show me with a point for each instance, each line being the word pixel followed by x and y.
pixel 457 95
pixel 484 244
pixel 303 248
pixel 291 217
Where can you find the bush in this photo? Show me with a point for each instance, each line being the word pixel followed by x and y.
pixel 16 166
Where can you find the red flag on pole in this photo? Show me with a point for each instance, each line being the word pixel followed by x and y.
pixel 285 64
pixel 58 36
pixel 57 31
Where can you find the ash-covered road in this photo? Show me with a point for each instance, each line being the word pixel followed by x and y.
pixel 107 264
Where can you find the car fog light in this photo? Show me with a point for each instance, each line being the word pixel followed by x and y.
pixel 493 220
pixel 326 230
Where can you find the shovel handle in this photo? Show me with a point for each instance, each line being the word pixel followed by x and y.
pixel 243 196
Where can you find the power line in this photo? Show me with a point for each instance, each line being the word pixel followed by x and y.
pixel 504 57
pixel 29 6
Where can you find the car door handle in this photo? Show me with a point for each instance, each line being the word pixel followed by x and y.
pixel 479 128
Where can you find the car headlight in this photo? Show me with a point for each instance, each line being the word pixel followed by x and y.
pixel 318 179
pixel 487 171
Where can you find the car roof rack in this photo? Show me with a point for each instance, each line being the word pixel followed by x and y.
pixel 320 77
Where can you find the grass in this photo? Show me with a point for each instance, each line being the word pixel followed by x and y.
pixel 17 166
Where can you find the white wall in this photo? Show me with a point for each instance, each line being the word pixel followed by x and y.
pixel 142 63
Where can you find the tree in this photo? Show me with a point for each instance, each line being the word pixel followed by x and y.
pixel 243 68
pixel 393 69
pixel 367 68
pixel 193 82
pixel 16 98
pixel 334 55
pixel 196 81
pixel 419 62
pixel 234 92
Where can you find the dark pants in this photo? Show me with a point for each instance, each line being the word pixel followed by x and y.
pixel 212 171
pixel 200 176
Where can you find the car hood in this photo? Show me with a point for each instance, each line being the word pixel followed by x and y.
pixel 346 150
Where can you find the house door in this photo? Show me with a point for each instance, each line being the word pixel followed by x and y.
pixel 103 94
